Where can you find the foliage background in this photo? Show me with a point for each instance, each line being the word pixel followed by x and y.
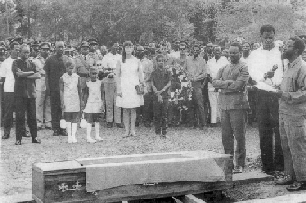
pixel 147 20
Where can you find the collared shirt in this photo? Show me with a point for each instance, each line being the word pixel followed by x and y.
pixel 232 96
pixel 160 78
pixel 213 66
pixel 147 68
pixel 110 61
pixel 261 61
pixel 196 68
pixel 7 73
pixel 55 68
pixel 82 64
pixel 293 83
pixel 24 87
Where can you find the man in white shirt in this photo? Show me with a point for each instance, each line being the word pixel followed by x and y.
pixel 109 62
pixel 214 64
pixel 265 67
pixel 7 76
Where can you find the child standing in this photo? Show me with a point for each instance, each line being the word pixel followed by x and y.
pixel 70 93
pixel 161 81
pixel 94 104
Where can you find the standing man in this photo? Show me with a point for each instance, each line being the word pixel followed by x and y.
pixel 292 109
pixel 109 62
pixel 232 80
pixel 196 72
pixel 8 78
pixel 54 69
pixel 214 64
pixel 265 67
pixel 25 74
pixel 43 109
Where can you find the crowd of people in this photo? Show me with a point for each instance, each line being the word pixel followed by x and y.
pixel 167 85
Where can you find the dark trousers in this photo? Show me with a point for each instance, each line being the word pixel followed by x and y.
pixel 56 111
pixel 198 98
pixel 233 123
pixel 160 113
pixel 24 105
pixel 252 102
pixel 9 104
pixel 147 112
pixel 268 123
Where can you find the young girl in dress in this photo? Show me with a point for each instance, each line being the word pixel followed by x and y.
pixel 129 75
pixel 94 104
pixel 70 93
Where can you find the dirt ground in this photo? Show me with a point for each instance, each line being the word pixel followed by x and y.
pixel 16 161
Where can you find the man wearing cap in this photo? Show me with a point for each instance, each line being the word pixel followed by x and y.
pixel 43 108
pixel 94 52
pixel 7 77
pixel 196 69
pixel 109 62
pixel 54 69
pixel 83 64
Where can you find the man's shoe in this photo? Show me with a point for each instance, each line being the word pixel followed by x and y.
pixel 109 125
pixel 36 140
pixel 157 131
pixel 136 124
pixel 64 132
pixel 18 142
pixel 285 180
pixel 4 137
pixel 27 134
pixel 296 186
pixel 164 132
pixel 55 133
pixel 238 169
pixel 119 125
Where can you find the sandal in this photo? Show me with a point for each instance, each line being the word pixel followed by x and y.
pixel 296 186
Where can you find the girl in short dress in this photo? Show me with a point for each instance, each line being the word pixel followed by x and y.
pixel 70 93
pixel 129 74
pixel 94 104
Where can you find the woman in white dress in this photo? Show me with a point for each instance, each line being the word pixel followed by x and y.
pixel 129 74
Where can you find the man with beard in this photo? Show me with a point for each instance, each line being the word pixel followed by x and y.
pixel 109 61
pixel 214 64
pixel 25 74
pixel 265 67
pixel 231 80
pixel 43 109
pixel 54 69
pixel 292 110
pixel 196 72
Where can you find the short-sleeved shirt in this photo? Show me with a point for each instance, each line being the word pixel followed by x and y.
pixel 160 79
pixel 6 72
pixel 55 68
pixel 24 87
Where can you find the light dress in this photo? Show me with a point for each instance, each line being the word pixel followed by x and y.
pixel 71 94
pixel 128 80
pixel 94 102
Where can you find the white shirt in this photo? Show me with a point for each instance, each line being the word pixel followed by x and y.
pixel 7 73
pixel 175 54
pixel 213 68
pixel 110 60
pixel 261 61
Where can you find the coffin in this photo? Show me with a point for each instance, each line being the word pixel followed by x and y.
pixel 126 177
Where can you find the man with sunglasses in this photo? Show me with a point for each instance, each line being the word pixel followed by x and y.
pixel 43 108
pixel 196 69
pixel 109 62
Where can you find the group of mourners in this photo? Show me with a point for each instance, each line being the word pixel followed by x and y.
pixel 190 84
